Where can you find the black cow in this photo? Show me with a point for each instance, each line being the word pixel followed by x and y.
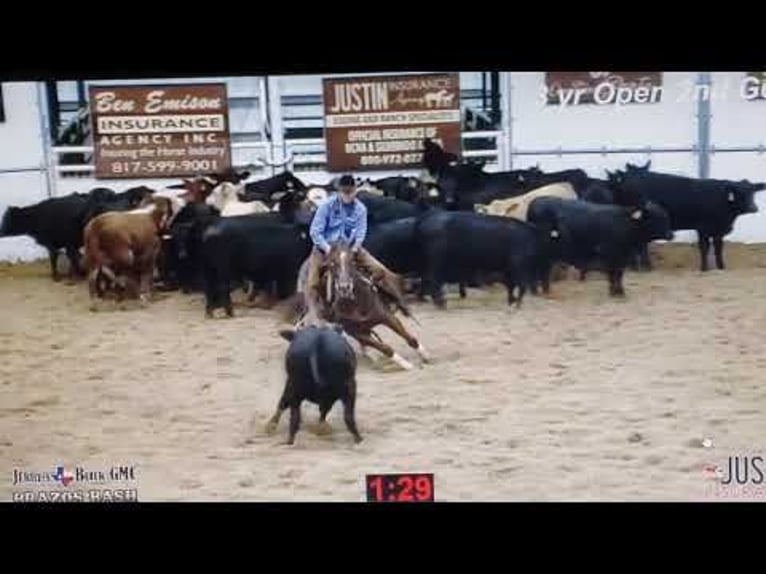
pixel 55 223
pixel 435 159
pixel 266 249
pixel 101 201
pixel 253 248
pixel 708 206
pixel 599 191
pixel 321 368
pixel 534 178
pixel 463 186
pixel 603 192
pixel 383 209
pixel 263 190
pixel 181 261
pixel 410 189
pixel 231 175
pixel 465 246
pixel 394 244
pixel 608 234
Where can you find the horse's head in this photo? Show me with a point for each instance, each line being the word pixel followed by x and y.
pixel 341 267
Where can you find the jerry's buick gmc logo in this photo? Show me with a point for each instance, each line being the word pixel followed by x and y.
pixel 60 475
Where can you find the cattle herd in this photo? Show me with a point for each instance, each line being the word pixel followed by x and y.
pixel 456 224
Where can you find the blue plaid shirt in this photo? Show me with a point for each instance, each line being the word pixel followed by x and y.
pixel 334 221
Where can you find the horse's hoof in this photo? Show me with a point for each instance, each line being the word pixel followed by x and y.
pixel 270 427
pixel 424 355
pixel 402 362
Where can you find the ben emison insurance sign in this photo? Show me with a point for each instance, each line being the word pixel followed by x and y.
pixel 160 131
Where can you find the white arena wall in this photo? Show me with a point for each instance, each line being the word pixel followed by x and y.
pixel 22 179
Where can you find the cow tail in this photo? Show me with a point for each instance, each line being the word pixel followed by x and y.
pixel 314 363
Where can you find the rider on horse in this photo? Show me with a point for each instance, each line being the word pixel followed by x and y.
pixel 342 217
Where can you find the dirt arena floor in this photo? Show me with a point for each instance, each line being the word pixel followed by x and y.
pixel 575 397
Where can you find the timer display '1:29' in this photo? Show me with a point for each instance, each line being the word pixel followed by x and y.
pixel 400 487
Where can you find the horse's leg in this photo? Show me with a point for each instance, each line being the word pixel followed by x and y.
pixel 395 324
pixel 367 339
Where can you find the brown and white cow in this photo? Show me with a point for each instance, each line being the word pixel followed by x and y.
pixel 518 206
pixel 121 248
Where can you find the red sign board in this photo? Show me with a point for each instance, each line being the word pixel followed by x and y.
pixel 380 122
pixel 160 131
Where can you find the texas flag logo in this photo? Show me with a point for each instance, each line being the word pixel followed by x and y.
pixel 63 476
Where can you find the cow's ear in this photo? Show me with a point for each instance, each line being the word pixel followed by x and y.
pixel 287 334
pixel 637 214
